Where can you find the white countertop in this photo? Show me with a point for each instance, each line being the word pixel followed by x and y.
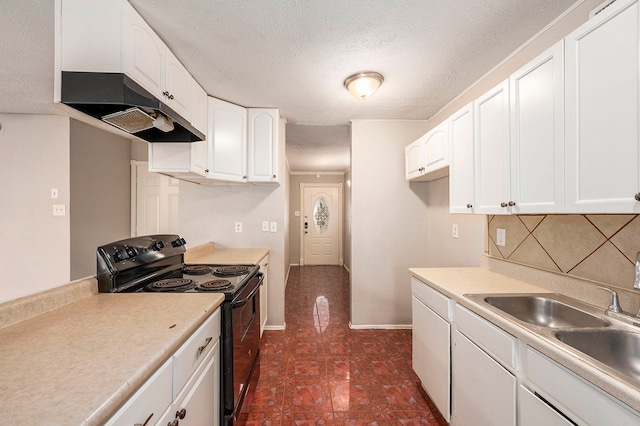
pixel 79 363
pixel 456 282
pixel 209 254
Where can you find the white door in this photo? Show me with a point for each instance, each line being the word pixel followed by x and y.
pixel 154 202
pixel 321 224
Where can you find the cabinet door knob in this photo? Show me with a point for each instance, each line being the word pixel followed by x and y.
pixel 181 414
pixel 165 93
pixel 469 206
pixel 206 170
pixel 171 97
pixel 512 203
pixel 638 196
pixel 503 204
pixel 274 176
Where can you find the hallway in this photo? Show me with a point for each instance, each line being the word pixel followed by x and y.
pixel 320 372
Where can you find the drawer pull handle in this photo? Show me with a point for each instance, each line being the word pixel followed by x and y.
pixel 203 347
pixel 145 422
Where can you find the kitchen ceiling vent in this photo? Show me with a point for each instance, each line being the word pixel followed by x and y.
pixel 131 120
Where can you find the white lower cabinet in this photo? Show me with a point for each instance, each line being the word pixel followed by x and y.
pixel 149 402
pixel 264 293
pixel 483 390
pixel 577 399
pixel 186 388
pixel 432 362
pixel 477 374
pixel 196 404
pixel 533 411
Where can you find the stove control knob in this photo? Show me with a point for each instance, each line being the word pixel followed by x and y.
pixel 119 256
pixel 178 242
pixel 157 246
pixel 131 252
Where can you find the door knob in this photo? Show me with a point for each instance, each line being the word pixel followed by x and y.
pixel 503 204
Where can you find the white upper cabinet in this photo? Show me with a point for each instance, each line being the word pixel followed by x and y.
pixel 428 157
pixel 602 161
pixel 177 86
pixel 263 144
pixel 461 161
pixel 491 140
pixel 227 139
pixel 143 53
pixel 149 61
pixel 413 159
pixel 537 134
pixel 110 36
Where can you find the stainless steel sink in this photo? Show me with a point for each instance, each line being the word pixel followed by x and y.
pixel 543 310
pixel 616 349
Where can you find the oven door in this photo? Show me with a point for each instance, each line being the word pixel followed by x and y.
pixel 245 313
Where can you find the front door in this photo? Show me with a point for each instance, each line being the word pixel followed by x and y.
pixel 321 224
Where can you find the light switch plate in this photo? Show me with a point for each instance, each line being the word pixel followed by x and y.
pixel 265 226
pixel 274 227
pixel 454 231
pixel 501 237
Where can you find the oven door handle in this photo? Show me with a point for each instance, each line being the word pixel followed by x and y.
pixel 250 296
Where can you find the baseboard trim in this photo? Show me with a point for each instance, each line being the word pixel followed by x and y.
pixel 275 327
pixel 380 326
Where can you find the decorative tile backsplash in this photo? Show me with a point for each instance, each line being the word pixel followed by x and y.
pixel 596 247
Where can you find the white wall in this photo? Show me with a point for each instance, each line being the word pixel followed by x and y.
pixel 389 230
pixel 35 249
pixel 442 249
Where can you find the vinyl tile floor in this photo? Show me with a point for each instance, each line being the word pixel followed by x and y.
pixel 320 372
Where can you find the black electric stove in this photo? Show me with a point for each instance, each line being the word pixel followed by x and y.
pixel 155 263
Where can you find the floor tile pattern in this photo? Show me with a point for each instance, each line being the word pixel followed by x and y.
pixel 320 372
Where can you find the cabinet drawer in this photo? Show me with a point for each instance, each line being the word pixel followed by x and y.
pixel 496 342
pixel 152 399
pixel 190 355
pixel 199 396
pixel 580 400
pixel 438 302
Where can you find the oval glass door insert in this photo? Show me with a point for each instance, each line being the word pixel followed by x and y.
pixel 321 215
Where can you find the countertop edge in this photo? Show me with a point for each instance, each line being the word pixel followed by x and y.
pixel 618 389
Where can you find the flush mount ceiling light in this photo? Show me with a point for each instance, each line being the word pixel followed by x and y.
pixel 363 84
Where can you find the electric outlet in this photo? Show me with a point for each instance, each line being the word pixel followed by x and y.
pixel 454 231
pixel 59 210
pixel 274 227
pixel 265 226
pixel 501 237
pixel 238 227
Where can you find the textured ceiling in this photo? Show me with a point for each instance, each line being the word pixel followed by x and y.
pixel 295 55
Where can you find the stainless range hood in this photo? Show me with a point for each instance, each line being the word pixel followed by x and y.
pixel 123 103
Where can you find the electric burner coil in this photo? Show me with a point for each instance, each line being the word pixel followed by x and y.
pixel 171 284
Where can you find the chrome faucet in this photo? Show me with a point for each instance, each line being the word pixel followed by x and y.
pixel 636 284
